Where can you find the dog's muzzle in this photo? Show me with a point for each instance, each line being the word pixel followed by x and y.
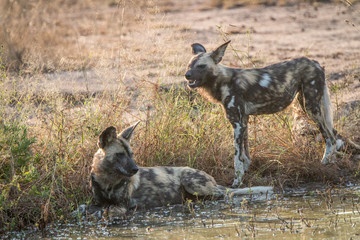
pixel 192 82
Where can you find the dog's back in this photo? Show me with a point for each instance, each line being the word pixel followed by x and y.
pixel 157 186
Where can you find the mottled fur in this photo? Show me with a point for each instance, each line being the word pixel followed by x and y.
pixel 116 180
pixel 244 92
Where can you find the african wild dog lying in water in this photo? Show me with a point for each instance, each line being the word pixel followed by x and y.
pixel 116 180
pixel 244 92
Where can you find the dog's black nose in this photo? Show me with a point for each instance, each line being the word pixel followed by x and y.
pixel 188 75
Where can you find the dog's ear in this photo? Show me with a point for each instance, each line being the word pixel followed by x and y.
pixel 128 131
pixel 219 52
pixel 107 136
pixel 197 48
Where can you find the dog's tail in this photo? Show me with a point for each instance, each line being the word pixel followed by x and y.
pixel 326 109
pixel 342 143
pixel 252 190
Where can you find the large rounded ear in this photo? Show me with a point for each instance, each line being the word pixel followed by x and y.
pixel 107 136
pixel 219 52
pixel 128 131
pixel 197 48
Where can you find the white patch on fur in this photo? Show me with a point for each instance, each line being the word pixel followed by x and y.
pixel 238 164
pixel 231 103
pixel 265 81
pixel 326 110
pixel 239 172
pixel 339 144
pixel 326 119
pixel 313 82
pixel 329 152
pixel 316 91
pixel 247 161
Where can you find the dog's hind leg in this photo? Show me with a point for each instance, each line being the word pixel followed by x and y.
pixel 201 184
pixel 318 106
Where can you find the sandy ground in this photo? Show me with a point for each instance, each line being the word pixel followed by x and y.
pixel 156 48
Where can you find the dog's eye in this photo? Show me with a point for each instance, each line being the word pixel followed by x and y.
pixel 201 66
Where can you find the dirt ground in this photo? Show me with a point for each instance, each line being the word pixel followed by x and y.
pixel 154 46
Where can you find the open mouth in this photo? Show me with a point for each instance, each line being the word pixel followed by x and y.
pixel 192 83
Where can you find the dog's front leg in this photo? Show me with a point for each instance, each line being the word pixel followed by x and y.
pixel 239 122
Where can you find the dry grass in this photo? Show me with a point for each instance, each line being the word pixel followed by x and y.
pixel 48 137
pixel 43 36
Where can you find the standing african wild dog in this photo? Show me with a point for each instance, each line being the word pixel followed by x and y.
pixel 244 92
pixel 116 180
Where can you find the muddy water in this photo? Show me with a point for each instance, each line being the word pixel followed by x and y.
pixel 304 214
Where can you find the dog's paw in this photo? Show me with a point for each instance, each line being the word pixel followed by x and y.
pixel 325 161
pixel 117 211
pixel 80 211
pixel 329 159
pixel 237 183
pixel 88 211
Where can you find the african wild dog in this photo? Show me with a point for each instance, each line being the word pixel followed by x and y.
pixel 244 92
pixel 116 180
